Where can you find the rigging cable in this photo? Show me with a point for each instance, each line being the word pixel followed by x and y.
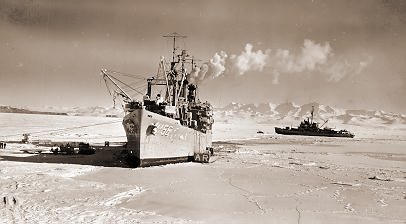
pixel 126 85
pixel 128 75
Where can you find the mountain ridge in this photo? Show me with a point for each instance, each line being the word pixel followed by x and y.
pixel 291 111
pixel 9 109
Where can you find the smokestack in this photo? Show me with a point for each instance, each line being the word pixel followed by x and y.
pixel 191 97
pixel 183 91
pixel 149 87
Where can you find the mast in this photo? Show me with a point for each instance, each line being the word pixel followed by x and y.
pixel 174 35
pixel 312 113
pixel 173 73
pixel 324 123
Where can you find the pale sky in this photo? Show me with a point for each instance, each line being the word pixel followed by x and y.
pixel 347 54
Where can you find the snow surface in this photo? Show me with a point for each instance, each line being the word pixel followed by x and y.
pixel 267 179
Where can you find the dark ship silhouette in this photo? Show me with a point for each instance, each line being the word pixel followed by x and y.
pixel 311 128
pixel 171 126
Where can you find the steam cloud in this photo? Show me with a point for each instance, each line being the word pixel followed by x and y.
pixel 312 57
pixel 249 60
pixel 212 69
pixel 343 68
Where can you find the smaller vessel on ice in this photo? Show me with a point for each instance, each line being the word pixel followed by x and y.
pixel 310 128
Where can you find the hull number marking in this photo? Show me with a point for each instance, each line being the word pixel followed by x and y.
pixel 164 129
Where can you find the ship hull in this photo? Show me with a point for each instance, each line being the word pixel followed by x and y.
pixel 154 139
pixel 291 131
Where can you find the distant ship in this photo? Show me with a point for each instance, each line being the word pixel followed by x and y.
pixel 310 128
pixel 173 125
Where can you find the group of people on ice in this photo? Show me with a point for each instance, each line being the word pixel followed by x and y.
pixel 2 145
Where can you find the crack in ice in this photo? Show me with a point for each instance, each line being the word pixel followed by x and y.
pixel 248 196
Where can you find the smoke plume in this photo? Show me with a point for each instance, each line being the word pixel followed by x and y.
pixel 250 60
pixel 217 64
pixel 341 68
pixel 212 69
pixel 311 57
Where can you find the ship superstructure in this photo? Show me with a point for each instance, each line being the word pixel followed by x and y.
pixel 170 124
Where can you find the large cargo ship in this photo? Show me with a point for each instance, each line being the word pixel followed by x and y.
pixel 173 125
pixel 311 128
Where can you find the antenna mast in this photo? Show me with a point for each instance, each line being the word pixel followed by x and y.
pixel 312 112
pixel 174 35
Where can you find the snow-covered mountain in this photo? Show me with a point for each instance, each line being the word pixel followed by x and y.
pixel 9 109
pixel 97 111
pixel 292 112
